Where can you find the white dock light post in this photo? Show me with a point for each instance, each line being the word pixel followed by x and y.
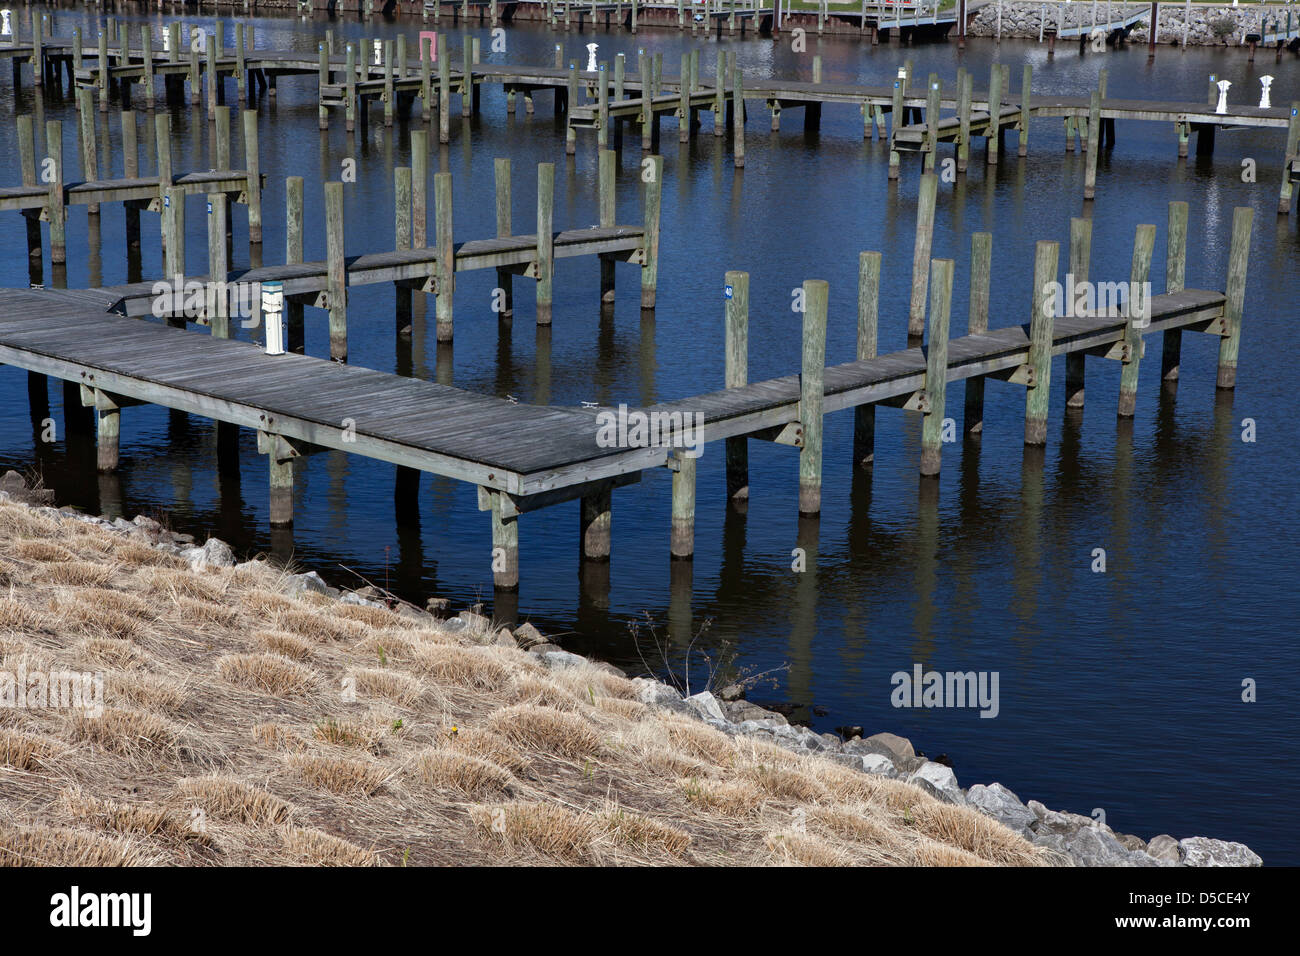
pixel 273 315
pixel 1265 81
pixel 6 28
pixel 1223 96
pixel 379 53
pixel 591 56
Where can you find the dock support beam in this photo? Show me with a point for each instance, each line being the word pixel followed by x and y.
pixel 864 416
pixel 505 546
pixel 108 433
pixel 595 521
pixel 936 366
pixel 1143 246
pixel 281 455
pixel 653 203
pixel 605 188
pixel 995 115
pixel 1175 277
pixel 921 254
pixel 1080 256
pixel 737 376
pixel 681 543
pixel 1026 79
pixel 254 188
pixel 293 311
pixel 505 278
pixel 738 119
pixel 1094 147
pixel 545 240
pixel 336 295
pixel 1238 260
pixel 816 294
pixel 981 271
pixel 1041 321
pixel 54 205
pixel 446 254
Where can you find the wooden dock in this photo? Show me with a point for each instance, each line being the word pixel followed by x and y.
pixel 524 457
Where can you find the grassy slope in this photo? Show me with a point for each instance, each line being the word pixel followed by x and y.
pixel 227 739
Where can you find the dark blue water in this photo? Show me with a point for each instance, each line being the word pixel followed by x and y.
pixel 1119 690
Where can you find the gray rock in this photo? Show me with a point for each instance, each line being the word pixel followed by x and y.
pixel 763 726
pixel 423 618
pixel 1002 805
pixel 879 764
pixel 504 638
pixel 527 636
pixel 658 694
pixel 1097 846
pixel 1130 842
pixel 941 779
pixel 453 624
pixel 1202 851
pixel 707 706
pixel 555 660
pixel 739 711
pixel 895 745
pixel 540 649
pixel 475 622
pixel 215 553
pixel 311 582
pixel 731 692
pixel 352 597
pixel 1165 848
pixel 848 760
pixel 608 668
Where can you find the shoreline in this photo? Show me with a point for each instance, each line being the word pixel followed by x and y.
pixel 1057 837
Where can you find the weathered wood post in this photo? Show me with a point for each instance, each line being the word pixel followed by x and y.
pixel 218 311
pixel 466 78
pixel 196 84
pixel 964 82
pixel 1175 277
pixel 27 159
pixel 936 366
pixel 736 292
pixel 681 542
pixel 131 170
pixel 981 272
pixel 446 284
pixel 646 107
pixel 293 310
pixel 426 81
pixel 1292 149
pixel 720 94
pixel 505 544
pixel 336 294
pixel 738 118
pixel 323 78
pixel 173 228
pixel 280 455
pixel 545 240
pixel 921 253
pixel 602 106
pixel 89 149
pixel 932 100
pixel 897 119
pixel 650 225
pixel 108 428
pixel 402 241
pixel 54 205
pixel 1137 319
pixel 505 277
pixel 816 294
pixel 388 83
pixel 350 89
pixel 684 100
pixel 213 75
pixel 1041 321
pixel 1080 256
pixel 608 213
pixel 864 416
pixel 240 76
pixel 1025 80
pixel 993 135
pixel 419 188
pixel 146 42
pixel 596 515
pixel 1094 133
pixel 221 139
pixel 1238 260
pixel 571 97
pixel 254 188
pixel 103 66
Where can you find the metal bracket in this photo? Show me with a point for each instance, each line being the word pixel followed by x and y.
pixel 276 446
pixel 1019 375
pixel 790 434
pixel 913 402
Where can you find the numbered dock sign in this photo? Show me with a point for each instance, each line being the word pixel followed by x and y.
pixel 728 291
pixel 209 207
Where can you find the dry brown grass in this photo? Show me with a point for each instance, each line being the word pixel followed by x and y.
pixel 226 701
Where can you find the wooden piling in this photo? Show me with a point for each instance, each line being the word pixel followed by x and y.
pixel 1041 321
pixel 108 432
pixel 388 84
pixel 932 100
pixel 1025 81
pixel 89 152
pixel 653 203
pixel 981 272
pixel 684 101
pixel 1289 157
pixel 812 394
pixel 896 120
pixel 720 94
pixel 103 71
pixel 682 537
pixel 545 240
pixel 131 170
pixel 505 546
pixel 1175 277
pixel 213 75
pixel 27 159
pixel 293 310
pixel 350 88
pixel 1080 257
pixel 964 82
pixel 466 79
pixel 1238 260
pixel 146 42
pixel 738 119
pixel 336 295
pixel 252 164
pixel 280 481
pixel 1094 134
pixel 505 277
pixel 54 205
pixel 1140 273
pixel 864 416
pixel 571 134
pixel 921 253
pixel 218 313
pixel 419 188
pixel 995 117
pixel 446 282
pixel 936 366
pixel 737 376
pixel 240 74
pixel 646 109
pixel 595 523
pixel 605 180
pixel 402 242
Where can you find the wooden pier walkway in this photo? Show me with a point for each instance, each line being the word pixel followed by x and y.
pixel 524 457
